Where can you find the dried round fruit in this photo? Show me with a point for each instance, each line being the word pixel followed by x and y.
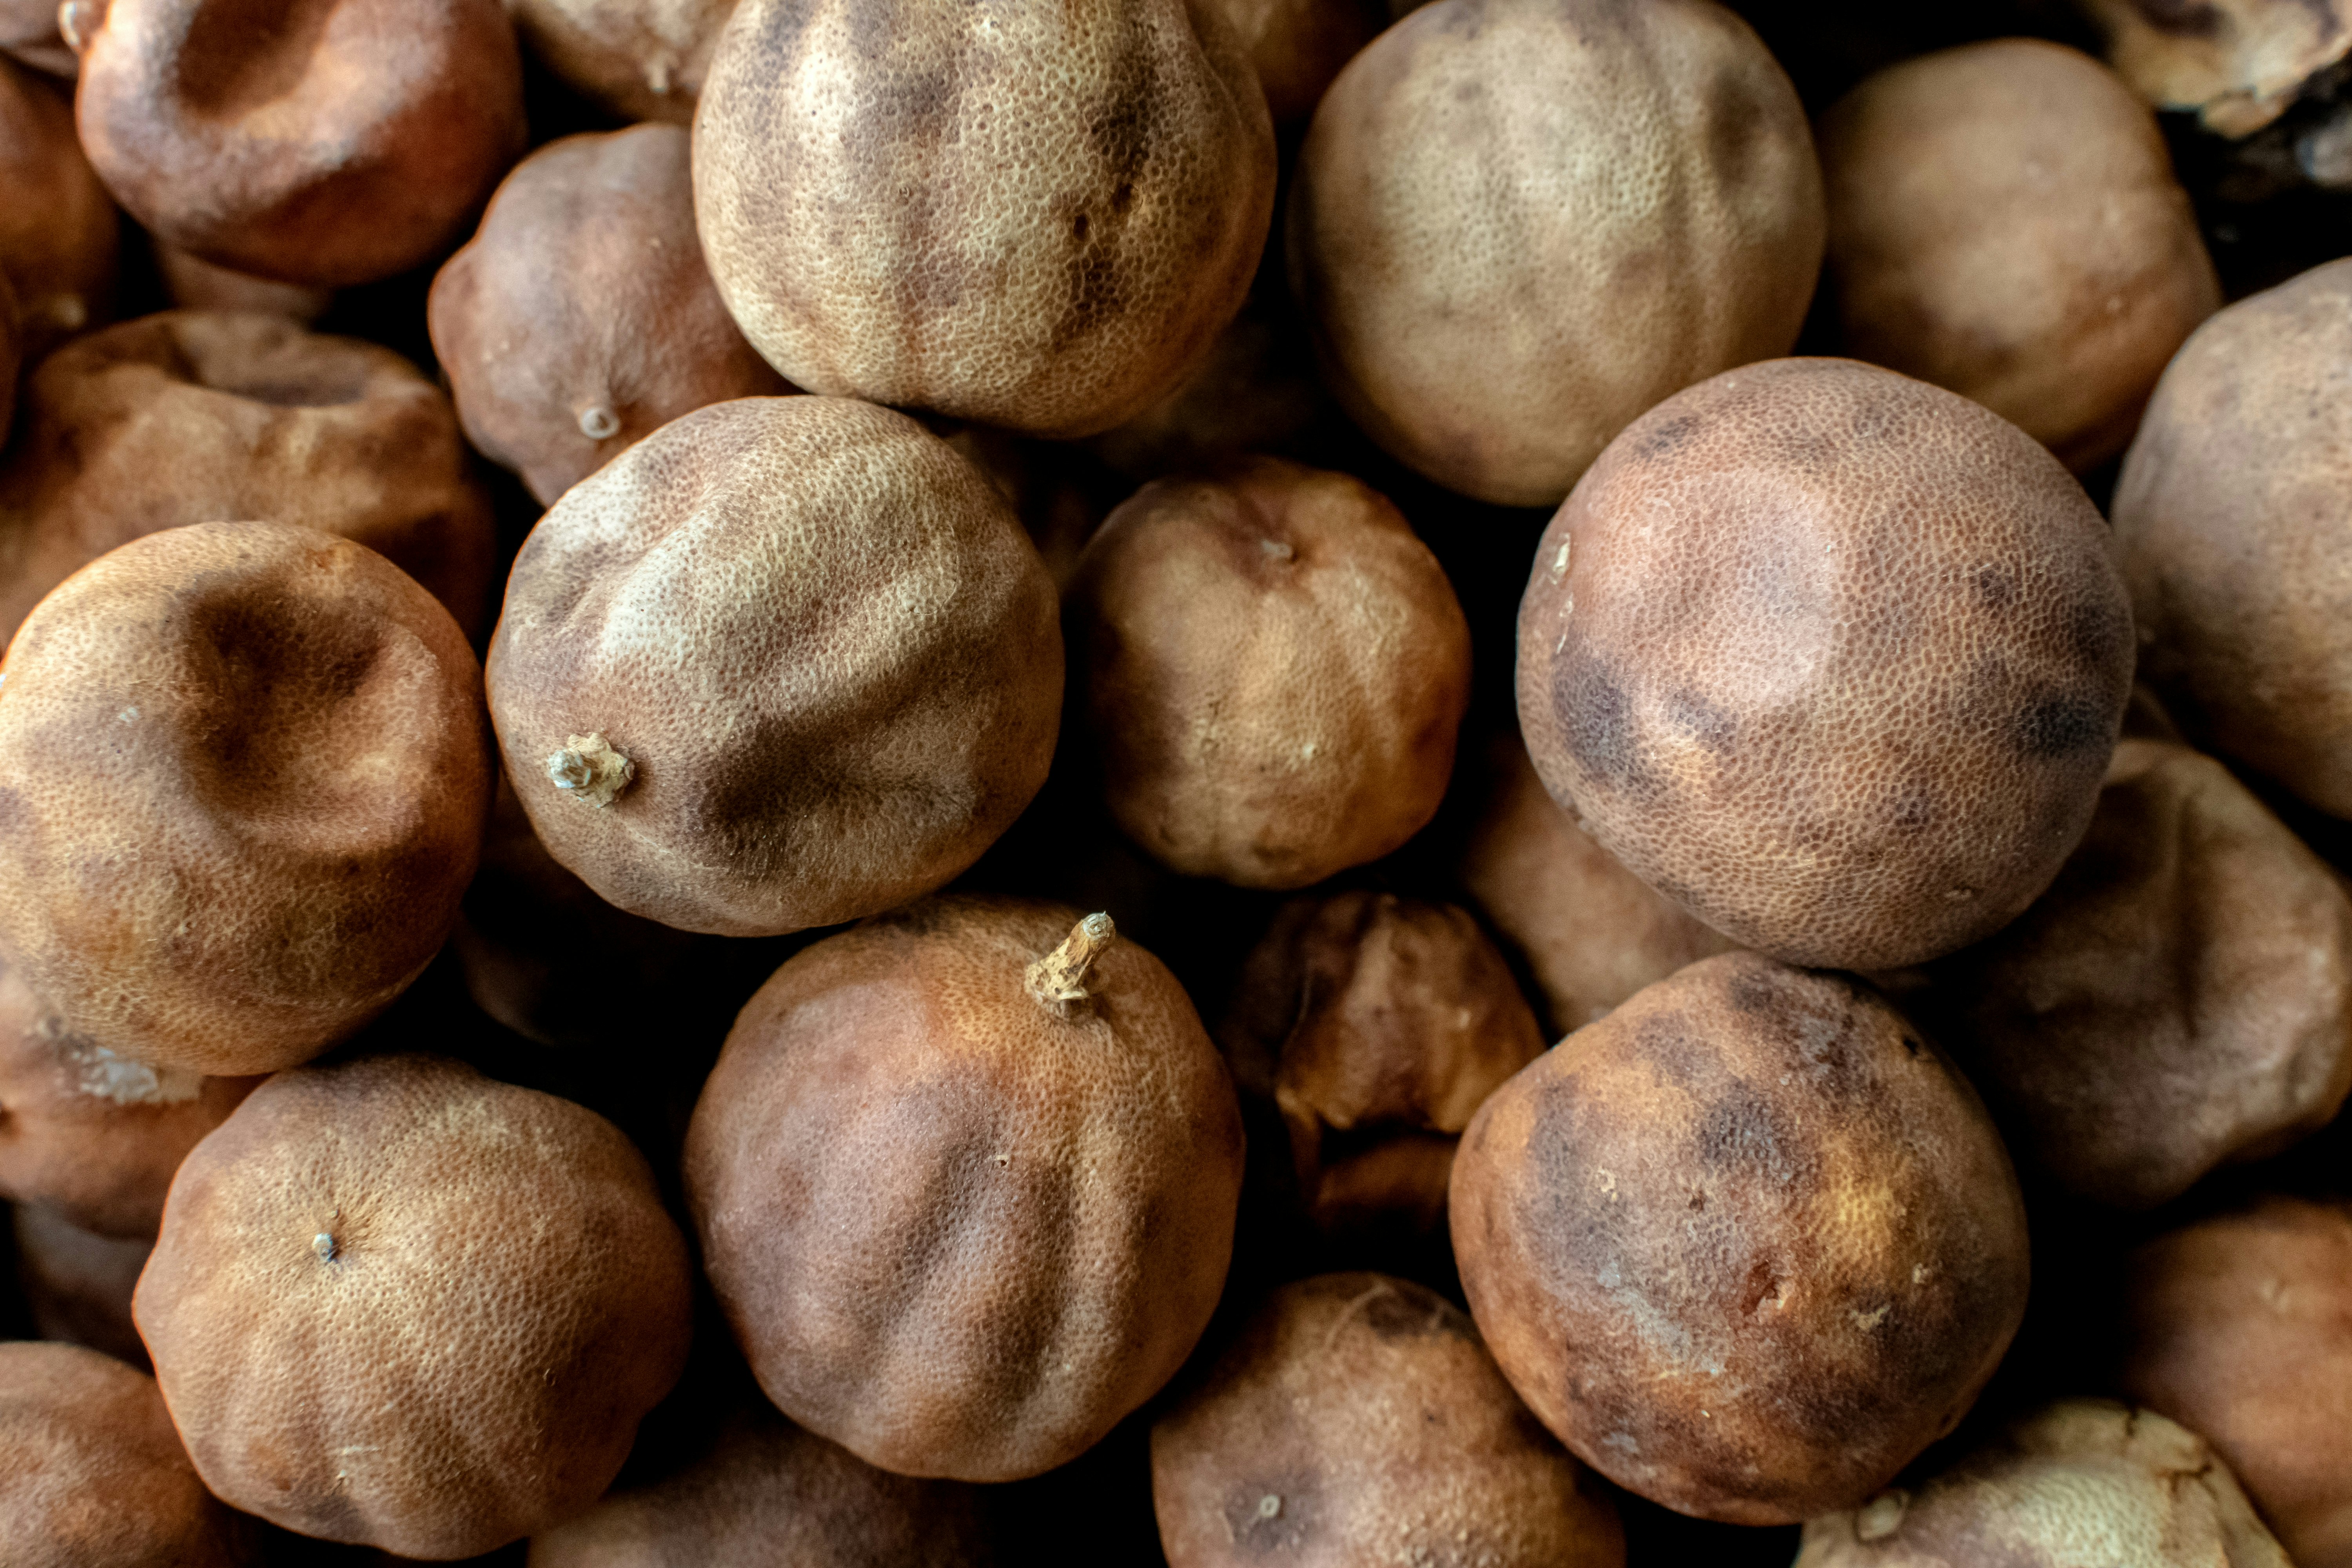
pixel 58 231
pixel 1296 46
pixel 1358 1420
pixel 588 255
pixel 77 1283
pixel 2004 223
pixel 786 662
pixel 244 778
pixel 966 1178
pixel 1039 219
pixel 641 59
pixel 1747 1245
pixel 1829 656
pixel 1299 717
pixel 28 33
pixel 196 284
pixel 399 1304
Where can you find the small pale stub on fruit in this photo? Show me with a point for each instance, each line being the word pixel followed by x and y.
pixel 1059 979
pixel 588 769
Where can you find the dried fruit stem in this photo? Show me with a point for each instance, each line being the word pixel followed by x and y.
pixel 1059 979
pixel 589 769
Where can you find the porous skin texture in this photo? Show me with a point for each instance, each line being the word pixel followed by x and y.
pixel 2241 1328
pixel 769 1494
pixel 355 142
pixel 92 1475
pixel 1593 933
pixel 77 1283
pixel 194 284
pixel 1037 217
pixel 1376 1024
pixel 192 417
pixel 1357 1423
pixel 90 1135
pixel 1747 1245
pixel 2231 517
pixel 821 638
pixel 243 782
pixel 1299 717
pixel 2004 223
pixel 955 1229
pixel 1518 223
pixel 399 1304
pixel 641 59
pixel 583 301
pixel 2181 997
pixel 2084 1483
pixel 1831 658
pixel 58 231
pixel 1296 46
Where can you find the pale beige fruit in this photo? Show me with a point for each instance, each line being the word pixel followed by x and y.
pixel 786 662
pixel 196 284
pixel 77 1283
pixel 1358 1420
pixel 1518 223
pixel 246 778
pixel 1298 716
pixel 399 1304
pixel 92 1475
pixel 2239 64
pixel 58 231
pixel 2004 223
pixel 1040 219
pixel 644 59
pixel 2084 1483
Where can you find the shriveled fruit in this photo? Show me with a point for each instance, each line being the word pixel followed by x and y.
pixel 1299 716
pixel 399 1304
pixel 246 778
pixel 770 1493
pixel 1040 222
pixel 319 141
pixel 965 1177
pixel 786 662
pixel 1358 1420
pixel 2180 998
pixel 1747 1245
pixel 2241 1328
pixel 1519 223
pixel 2004 222
pixel 2077 1482
pixel 77 1283
pixel 92 1474
pixel 192 417
pixel 1829 656
pixel 1376 1025
pixel 641 59
pixel 58 232
pixel 196 284
pixel 580 318
pixel 2231 504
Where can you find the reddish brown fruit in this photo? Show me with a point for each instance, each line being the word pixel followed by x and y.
pixel 196 284
pixel 641 59
pixel 58 232
pixel 77 1283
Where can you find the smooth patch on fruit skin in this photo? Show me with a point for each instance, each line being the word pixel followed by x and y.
pixel 1831 658
pixel 59 234
pixel 1747 1245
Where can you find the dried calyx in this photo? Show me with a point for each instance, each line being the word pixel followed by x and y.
pixel 590 770
pixel 1058 980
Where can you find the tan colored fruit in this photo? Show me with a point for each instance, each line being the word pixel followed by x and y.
pixel 580 318
pixel 399 1304
pixel 1520 223
pixel 92 1474
pixel 2078 1483
pixel 1747 1245
pixel 2241 1328
pixel 1376 1026
pixel 1039 220
pixel 196 284
pixel 2239 64
pixel 966 1178
pixel 1358 1420
pixel 786 662
pixel 28 33
pixel 1829 656
pixel 58 231
pixel 77 1283
pixel 1298 717
pixel 2232 508
pixel 1296 46
pixel 641 59
pixel 770 1494
pixel 244 781
pixel 192 417
pixel 2180 998
pixel 326 143
pixel 2004 223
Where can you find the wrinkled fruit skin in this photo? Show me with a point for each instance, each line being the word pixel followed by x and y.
pixel 954 1230
pixel 825 646
pixel 641 59
pixel 1039 220
pixel 1747 1245
pixel 1831 658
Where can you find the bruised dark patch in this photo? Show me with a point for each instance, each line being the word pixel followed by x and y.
pixel 2181 18
pixel 1702 721
pixel 1996 586
pixel 2062 725
pixel 1740 1133
pixel 1667 436
pixel 2099 632
pixel 1595 715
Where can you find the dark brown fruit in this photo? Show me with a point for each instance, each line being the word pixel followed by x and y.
pixel 196 284
pixel 58 232
pixel 1296 46
pixel 1747 1245
pixel 1831 658
pixel 77 1283
pixel 966 1178
pixel 1358 1420
pixel 641 59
